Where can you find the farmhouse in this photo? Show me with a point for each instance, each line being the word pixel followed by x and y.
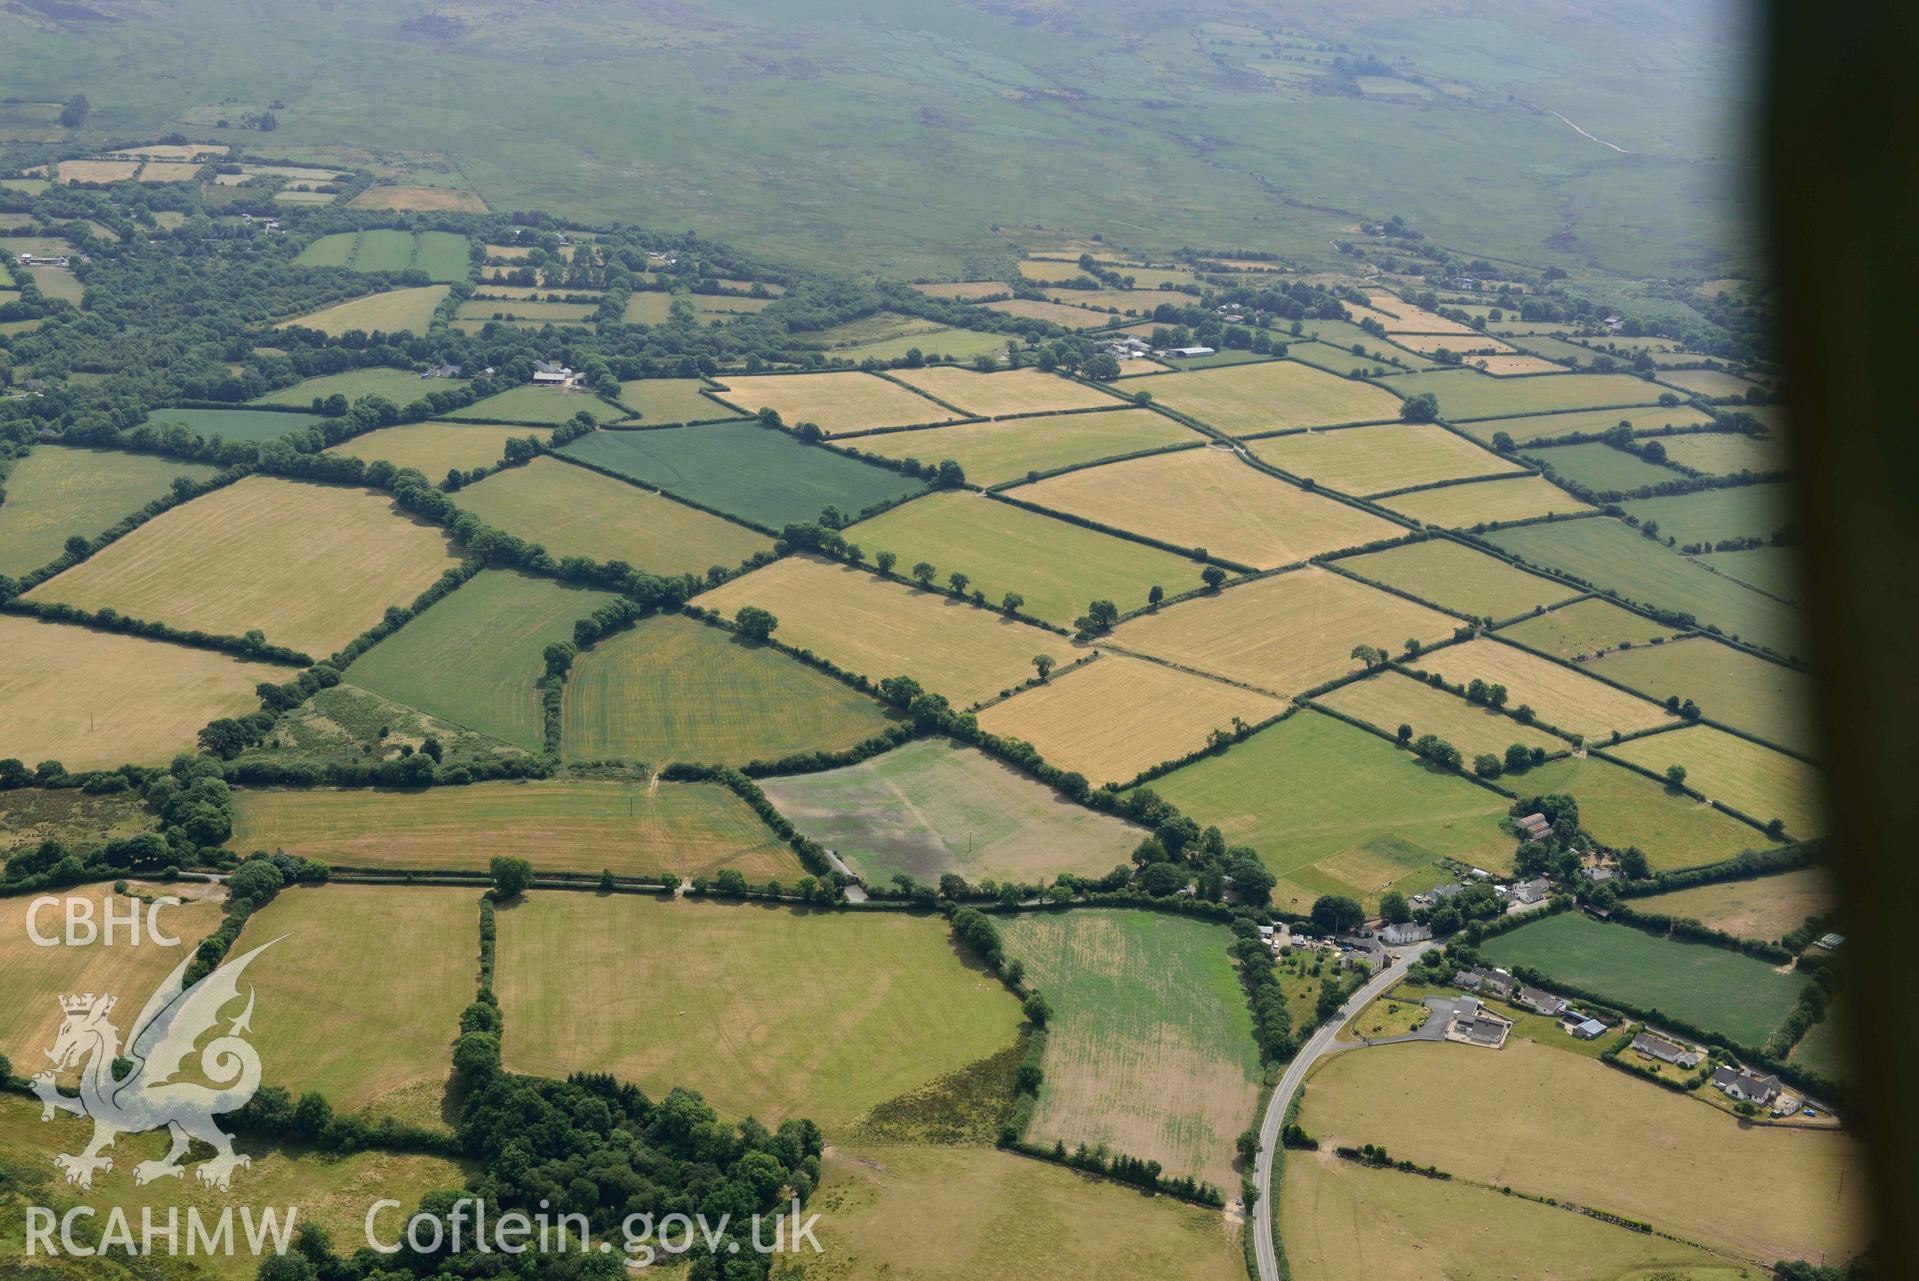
pixel 1653 1046
pixel 1473 1024
pixel 1744 1086
pixel 1404 932
pixel 1597 875
pixel 548 374
pixel 1536 890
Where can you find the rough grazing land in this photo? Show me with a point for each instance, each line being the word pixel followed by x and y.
pixel 1117 716
pixel 837 402
pixel 1621 808
pixel 766 1011
pixel 55 493
pixel 473 657
pixel 1458 578
pixel 1150 1045
pixel 879 628
pixel 672 689
pixel 1583 628
pixel 1206 499
pixel 1392 699
pixel 1374 460
pixel 94 700
pixel 436 448
pixel 1269 395
pixel 1653 1155
pixel 1059 567
pixel 1011 391
pixel 591 825
pixel 1767 908
pixel 1562 697
pixel 399 309
pixel 993 453
pixel 1484 502
pixel 575 512
pixel 933 806
pixel 1286 633
pixel 1756 781
pixel 1730 685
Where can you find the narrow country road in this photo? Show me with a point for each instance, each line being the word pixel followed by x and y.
pixel 1310 1053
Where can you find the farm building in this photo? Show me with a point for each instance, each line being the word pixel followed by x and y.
pixel 1654 1046
pixel 548 374
pixel 1586 1029
pixel 1185 353
pixel 1535 826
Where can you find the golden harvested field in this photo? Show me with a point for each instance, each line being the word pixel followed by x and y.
pixel 558 825
pixel 38 976
pixel 1485 502
pixel 1563 698
pixel 57 492
pixel 993 453
pixel 1341 1220
pixel 839 403
pixel 1588 626
pixel 1134 302
pixel 1284 634
pixel 1117 716
pixel 1402 317
pixel 1732 687
pixel 1459 578
pixel 1766 908
pixel 1510 365
pixel 399 309
pixel 1757 781
pixel 1377 460
pixel 157 171
pixel 312 566
pixel 1208 499
pixel 93 700
pixel 1427 344
pixel 1268 395
pixel 575 512
pixel 1011 391
pixel 1057 313
pixel 436 448
pixel 1001 1215
pixel 1392 699
pixel 97 170
pixel 881 628
pixel 1648 1153
pixel 431 199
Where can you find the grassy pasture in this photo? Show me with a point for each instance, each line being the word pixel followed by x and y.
pixel 59 283
pixel 1602 468
pixel 671 689
pixel 397 310
pixel 1113 718
pixel 992 453
pixel 348 725
pixel 1149 1049
pixel 1459 578
pixel 1830 1046
pixel 933 806
pixel 1011 391
pixel 1744 511
pixel 530 404
pixel 1709 987
pixel 473 657
pixel 1529 427
pixel 1466 393
pixel 1001 1215
pixel 95 700
pixel 313 566
pixel 1374 460
pixel 757 473
pixel 1284 634
pixel 575 512
pixel 559 825
pixel 383 250
pixel 1484 502
pixel 334 250
pixel 1721 453
pixel 1208 499
pixel 1612 556
pixel 1061 314
pixel 1714 384
pixel 764 1010
pixel 881 628
pixel 436 448
pixel 1584 627
pixel 401 386
pixel 1776 571
pixel 1268 395
pixel 55 493
pixel 361 996
pixel 1341 1220
pixel 529 313
pixel 1756 781
pixel 442 255
pixel 671 400
pixel 1057 566
pixel 1768 907
pixel 954 344
pixel 1621 808
pixel 1355 816
pixel 258 425
pixel 1133 302
pixel 1392 699
pixel 1749 693
pixel 1563 698
pixel 839 403
pixel 1647 1146
pixel 651 307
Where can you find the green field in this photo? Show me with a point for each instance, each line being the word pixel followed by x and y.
pixel 1776 571
pixel 434 449
pixel 530 404
pixel 401 386
pixel 1602 468
pixel 1456 577
pixel 1266 396
pixel 1466 393
pixel 1149 1049
pixel 1528 427
pixel 442 255
pixel 575 512
pixel 1829 1047
pixel 235 424
pixel 1584 627
pixel 1485 502
pixel 398 310
pixel 567 825
pixel 933 806
pixel 1060 568
pixel 671 400
pixel 1393 698
pixel 993 453
pixel 953 344
pixel 1720 453
pixel 1378 460
pixel 1706 517
pixel 473 657
pixel 749 1005
pixel 1757 781
pixel 1710 987
pixel 1609 555
pixel 1356 816
pixel 1622 808
pixel 759 474
pixel 671 689
pixel 1739 689
pixel 383 250
pixel 55 493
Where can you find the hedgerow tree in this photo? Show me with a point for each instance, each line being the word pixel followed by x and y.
pixel 754 623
